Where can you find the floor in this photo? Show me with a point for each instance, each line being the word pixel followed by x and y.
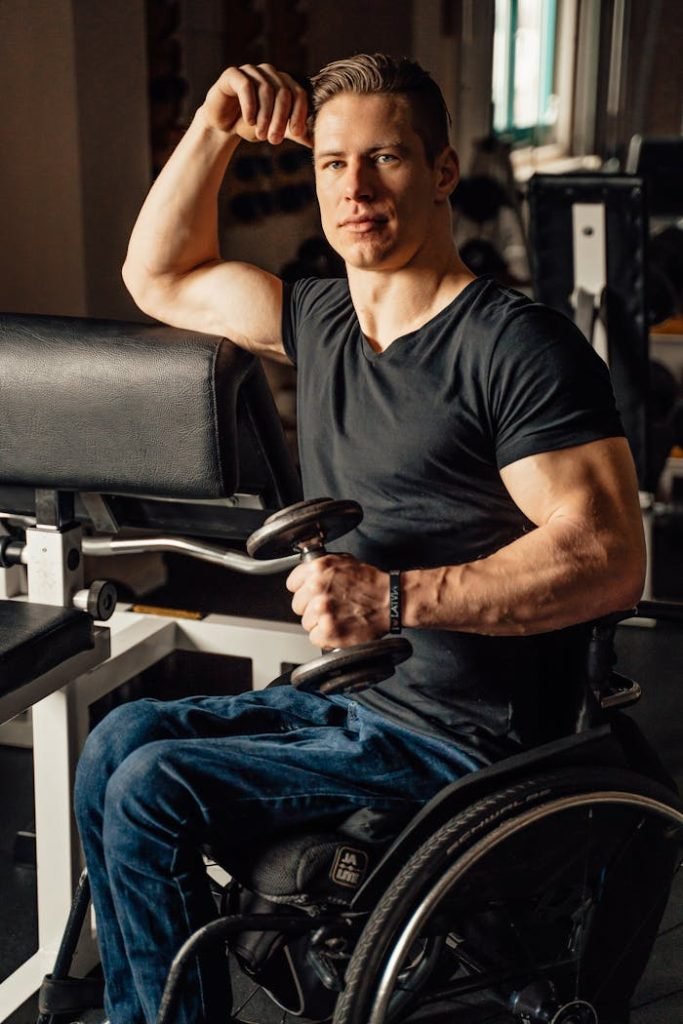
pixel 652 654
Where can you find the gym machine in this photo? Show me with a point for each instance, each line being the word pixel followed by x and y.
pixel 121 438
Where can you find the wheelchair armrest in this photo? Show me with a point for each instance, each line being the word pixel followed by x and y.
pixel 613 618
pixel 600 655
pixel 620 692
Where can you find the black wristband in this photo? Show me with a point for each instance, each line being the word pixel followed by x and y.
pixel 395 601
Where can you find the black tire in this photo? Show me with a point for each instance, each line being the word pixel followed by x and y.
pixel 562 878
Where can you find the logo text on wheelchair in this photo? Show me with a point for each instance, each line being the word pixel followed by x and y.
pixel 349 867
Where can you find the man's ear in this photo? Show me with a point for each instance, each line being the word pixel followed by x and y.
pixel 447 172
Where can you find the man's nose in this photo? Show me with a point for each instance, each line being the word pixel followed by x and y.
pixel 358 181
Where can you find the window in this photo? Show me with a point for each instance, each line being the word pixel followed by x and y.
pixel 524 102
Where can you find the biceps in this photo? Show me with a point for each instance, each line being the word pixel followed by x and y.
pixel 593 482
pixel 232 300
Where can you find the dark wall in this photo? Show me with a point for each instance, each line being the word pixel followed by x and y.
pixel 337 29
pixel 651 99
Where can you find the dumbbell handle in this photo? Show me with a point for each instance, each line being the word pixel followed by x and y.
pixel 310 550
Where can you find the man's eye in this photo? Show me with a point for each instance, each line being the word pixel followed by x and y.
pixel 334 165
pixel 385 158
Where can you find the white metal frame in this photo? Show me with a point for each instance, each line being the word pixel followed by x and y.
pixel 60 701
pixel 589 249
pixel 589 252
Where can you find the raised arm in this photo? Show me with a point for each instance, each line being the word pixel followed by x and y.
pixel 586 558
pixel 174 269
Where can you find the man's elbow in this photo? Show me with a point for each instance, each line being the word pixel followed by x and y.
pixel 146 290
pixel 134 279
pixel 630 590
pixel 627 576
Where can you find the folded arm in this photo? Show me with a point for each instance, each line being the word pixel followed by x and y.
pixel 174 269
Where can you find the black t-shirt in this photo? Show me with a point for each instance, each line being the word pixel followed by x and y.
pixel 417 435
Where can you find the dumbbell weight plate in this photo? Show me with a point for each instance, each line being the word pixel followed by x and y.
pixel 318 519
pixel 352 668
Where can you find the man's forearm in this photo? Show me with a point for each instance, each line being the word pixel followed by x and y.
pixel 176 230
pixel 550 578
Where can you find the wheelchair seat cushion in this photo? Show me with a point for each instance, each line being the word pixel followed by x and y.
pixel 311 871
pixel 311 868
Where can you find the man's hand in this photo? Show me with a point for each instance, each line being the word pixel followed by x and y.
pixel 259 104
pixel 341 601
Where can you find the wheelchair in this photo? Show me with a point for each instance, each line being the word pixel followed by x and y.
pixel 540 888
pixel 503 900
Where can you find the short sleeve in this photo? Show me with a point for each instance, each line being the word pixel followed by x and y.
pixel 547 388
pixel 289 321
pixel 311 300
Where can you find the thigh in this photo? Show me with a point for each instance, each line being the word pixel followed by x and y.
pixel 269 762
pixel 135 724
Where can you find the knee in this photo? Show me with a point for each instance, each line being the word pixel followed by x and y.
pixel 145 802
pixel 124 730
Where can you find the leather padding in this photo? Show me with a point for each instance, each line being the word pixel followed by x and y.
pixel 35 638
pixel 126 408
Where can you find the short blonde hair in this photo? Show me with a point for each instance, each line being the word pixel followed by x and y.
pixel 368 74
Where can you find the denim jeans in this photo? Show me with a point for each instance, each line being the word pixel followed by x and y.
pixel 157 780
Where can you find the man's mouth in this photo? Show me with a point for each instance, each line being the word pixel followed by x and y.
pixel 364 222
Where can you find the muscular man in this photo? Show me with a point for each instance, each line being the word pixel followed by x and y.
pixel 478 431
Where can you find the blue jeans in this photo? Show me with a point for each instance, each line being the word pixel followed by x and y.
pixel 157 780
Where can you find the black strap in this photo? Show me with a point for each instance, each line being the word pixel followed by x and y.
pixel 395 623
pixel 70 995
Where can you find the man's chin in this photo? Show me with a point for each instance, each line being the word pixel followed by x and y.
pixel 365 257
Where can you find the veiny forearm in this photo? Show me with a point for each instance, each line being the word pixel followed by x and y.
pixel 176 230
pixel 556 575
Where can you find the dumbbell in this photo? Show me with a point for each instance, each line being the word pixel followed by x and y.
pixel 305 527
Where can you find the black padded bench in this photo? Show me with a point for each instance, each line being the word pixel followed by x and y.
pixel 147 416
pixel 35 638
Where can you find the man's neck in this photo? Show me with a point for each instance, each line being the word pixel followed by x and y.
pixel 392 304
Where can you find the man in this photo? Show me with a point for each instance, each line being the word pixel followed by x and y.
pixel 479 433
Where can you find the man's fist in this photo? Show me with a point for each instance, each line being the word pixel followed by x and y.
pixel 258 103
pixel 341 601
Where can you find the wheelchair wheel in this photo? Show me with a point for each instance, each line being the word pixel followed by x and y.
pixel 554 900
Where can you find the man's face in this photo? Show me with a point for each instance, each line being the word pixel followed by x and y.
pixel 376 190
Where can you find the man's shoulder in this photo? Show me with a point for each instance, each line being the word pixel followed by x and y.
pixel 482 311
pixel 505 313
pixel 312 308
pixel 311 293
pixel 478 316
pixel 491 301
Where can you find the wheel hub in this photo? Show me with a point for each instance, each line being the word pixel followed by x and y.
pixel 576 1012
pixel 538 1002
